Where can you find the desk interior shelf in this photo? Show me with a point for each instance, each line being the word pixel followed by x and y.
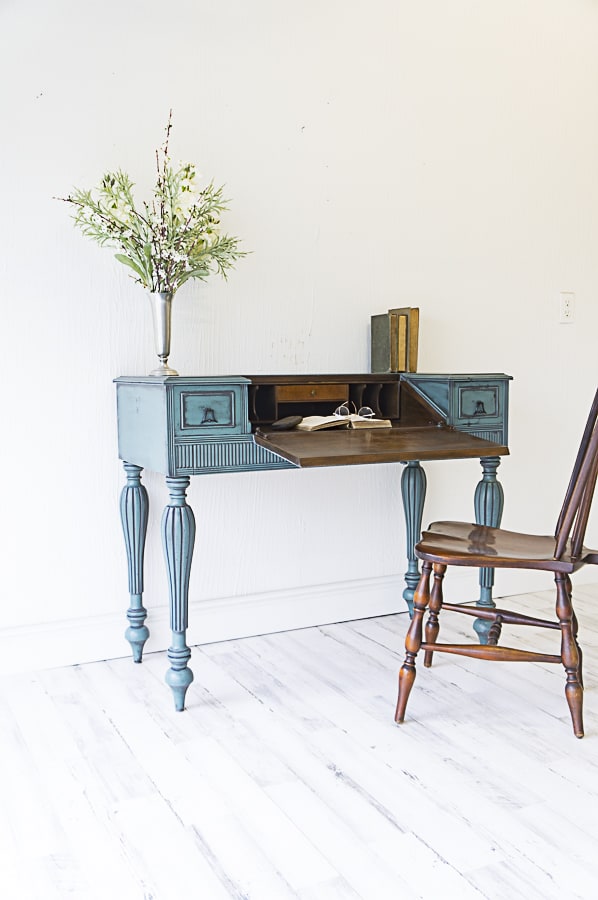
pixel 477 404
pixel 273 397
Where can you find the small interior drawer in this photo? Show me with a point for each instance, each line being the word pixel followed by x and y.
pixel 291 393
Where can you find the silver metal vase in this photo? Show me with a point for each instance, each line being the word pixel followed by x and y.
pixel 161 303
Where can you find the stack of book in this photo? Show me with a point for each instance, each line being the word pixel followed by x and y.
pixel 394 339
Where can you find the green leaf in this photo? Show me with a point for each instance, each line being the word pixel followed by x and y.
pixel 202 274
pixel 129 262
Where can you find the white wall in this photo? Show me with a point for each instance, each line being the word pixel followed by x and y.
pixel 390 153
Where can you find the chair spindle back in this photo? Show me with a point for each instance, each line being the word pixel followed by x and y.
pixel 573 518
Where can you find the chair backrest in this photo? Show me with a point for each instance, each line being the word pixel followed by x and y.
pixel 573 518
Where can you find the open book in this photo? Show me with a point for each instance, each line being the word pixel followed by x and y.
pixel 317 423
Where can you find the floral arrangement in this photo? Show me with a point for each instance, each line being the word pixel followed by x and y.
pixel 173 238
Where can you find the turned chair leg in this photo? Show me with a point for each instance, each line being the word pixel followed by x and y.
pixel 432 625
pixel 570 652
pixel 495 631
pixel 413 640
pixel 574 628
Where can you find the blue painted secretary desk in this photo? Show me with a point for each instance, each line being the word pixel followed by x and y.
pixel 186 426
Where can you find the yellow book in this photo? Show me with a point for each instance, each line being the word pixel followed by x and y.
pixel 394 340
pixel 408 337
pixel 402 344
pixel 413 339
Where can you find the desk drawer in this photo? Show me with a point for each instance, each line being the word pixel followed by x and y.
pixel 479 405
pixel 297 393
pixel 219 409
pixel 476 403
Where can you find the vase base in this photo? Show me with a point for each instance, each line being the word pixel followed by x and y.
pixel 162 371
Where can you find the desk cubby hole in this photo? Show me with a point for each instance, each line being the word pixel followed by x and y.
pixel 270 399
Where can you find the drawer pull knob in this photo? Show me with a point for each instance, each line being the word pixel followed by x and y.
pixel 480 409
pixel 208 416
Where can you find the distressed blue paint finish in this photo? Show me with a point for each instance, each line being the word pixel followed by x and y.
pixel 189 426
pixel 413 490
pixel 185 426
pixel 477 404
pixel 178 539
pixel 179 427
pixel 134 505
pixel 235 454
pixel 488 506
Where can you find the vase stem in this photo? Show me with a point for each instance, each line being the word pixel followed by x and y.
pixel 161 303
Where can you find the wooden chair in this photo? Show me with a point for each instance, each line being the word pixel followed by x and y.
pixel 463 544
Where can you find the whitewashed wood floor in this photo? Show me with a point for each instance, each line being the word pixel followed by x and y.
pixel 287 778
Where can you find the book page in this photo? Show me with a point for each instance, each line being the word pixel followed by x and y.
pixel 316 423
pixel 368 422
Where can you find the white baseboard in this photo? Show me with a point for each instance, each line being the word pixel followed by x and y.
pixel 48 645
pixel 64 643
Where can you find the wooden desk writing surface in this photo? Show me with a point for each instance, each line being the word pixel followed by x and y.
pixel 344 447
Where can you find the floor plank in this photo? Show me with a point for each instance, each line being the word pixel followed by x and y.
pixel 286 776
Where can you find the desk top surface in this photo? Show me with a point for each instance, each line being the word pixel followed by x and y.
pixel 346 447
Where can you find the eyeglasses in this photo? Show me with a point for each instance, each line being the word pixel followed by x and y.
pixel 364 411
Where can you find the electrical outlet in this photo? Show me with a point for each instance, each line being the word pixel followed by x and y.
pixel 566 307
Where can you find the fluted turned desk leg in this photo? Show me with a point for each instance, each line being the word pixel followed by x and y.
pixel 413 490
pixel 488 505
pixel 178 538
pixel 134 507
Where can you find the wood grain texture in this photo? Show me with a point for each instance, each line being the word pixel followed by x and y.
pixel 287 778
pixel 385 445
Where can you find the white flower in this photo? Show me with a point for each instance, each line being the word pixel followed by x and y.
pixel 170 236
pixel 185 205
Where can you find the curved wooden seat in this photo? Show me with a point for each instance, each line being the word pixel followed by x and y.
pixel 467 544
pixel 449 543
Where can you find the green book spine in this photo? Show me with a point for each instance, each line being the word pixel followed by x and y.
pixel 380 343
